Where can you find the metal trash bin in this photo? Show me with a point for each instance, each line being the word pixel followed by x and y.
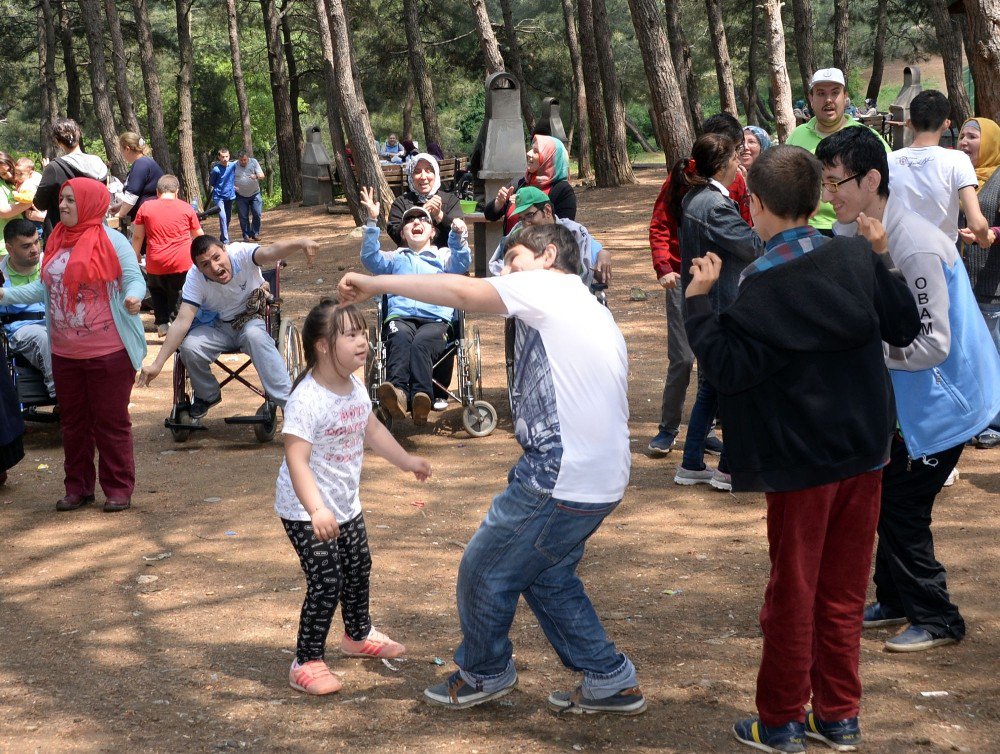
pixel 317 182
pixel 550 123
pixel 899 110
pixel 503 156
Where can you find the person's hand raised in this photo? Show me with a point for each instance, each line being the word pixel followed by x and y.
pixel 503 195
pixel 370 203
pixel 704 272
pixel 354 287
pixel 873 230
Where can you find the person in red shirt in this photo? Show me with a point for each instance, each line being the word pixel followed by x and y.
pixel 166 225
pixel 664 244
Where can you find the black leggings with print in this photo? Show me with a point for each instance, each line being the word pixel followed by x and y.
pixel 336 570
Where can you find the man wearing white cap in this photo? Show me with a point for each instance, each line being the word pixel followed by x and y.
pixel 828 101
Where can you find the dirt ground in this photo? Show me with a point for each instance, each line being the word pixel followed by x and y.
pixel 170 627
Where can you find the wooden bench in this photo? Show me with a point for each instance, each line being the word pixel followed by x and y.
pixel 395 175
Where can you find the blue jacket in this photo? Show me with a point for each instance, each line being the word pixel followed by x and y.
pixel 129 326
pixel 432 260
pixel 947 382
pixel 223 182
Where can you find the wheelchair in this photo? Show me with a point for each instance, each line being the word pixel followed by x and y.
pixel 29 382
pixel 479 417
pixel 288 341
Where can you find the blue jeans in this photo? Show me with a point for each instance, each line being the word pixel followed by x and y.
pixel 530 543
pixel 706 404
pixel 991 313
pixel 249 208
pixel 225 215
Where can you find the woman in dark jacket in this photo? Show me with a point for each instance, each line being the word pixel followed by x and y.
pixel 710 221
pixel 548 170
pixel 424 178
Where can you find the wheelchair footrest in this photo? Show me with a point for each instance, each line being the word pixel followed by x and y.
pixel 178 425
pixel 247 419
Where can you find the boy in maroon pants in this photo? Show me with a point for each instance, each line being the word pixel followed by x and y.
pixel 805 399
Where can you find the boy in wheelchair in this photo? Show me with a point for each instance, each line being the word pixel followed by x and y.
pixel 24 324
pixel 222 307
pixel 415 332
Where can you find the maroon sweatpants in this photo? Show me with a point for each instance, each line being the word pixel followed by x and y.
pixel 820 541
pixel 93 411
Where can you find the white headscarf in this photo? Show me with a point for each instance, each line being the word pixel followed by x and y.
pixel 435 185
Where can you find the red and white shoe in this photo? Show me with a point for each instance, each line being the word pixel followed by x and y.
pixel 377 644
pixel 313 677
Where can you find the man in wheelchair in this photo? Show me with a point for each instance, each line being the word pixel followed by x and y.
pixel 535 208
pixel 24 324
pixel 222 309
pixel 415 332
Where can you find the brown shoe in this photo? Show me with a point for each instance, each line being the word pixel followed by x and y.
pixel 113 506
pixel 393 399
pixel 421 408
pixel 72 502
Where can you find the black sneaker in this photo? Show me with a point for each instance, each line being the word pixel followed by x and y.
pixel 713 445
pixel 843 735
pixel 455 693
pixel 200 407
pixel 876 615
pixel 790 737
pixel 628 701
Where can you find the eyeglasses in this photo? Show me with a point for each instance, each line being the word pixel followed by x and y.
pixel 417 218
pixel 834 186
pixel 529 217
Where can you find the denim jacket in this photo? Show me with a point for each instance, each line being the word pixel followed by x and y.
pixel 710 221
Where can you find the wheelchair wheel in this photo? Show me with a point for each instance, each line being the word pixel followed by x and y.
pixel 508 348
pixel 476 365
pixel 290 348
pixel 182 417
pixel 479 419
pixel 383 415
pixel 264 431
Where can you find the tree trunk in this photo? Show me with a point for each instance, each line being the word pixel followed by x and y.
pixel 288 153
pixel 672 129
pixel 579 91
pixel 595 97
pixel 344 173
pixel 190 187
pixel 614 108
pixel 418 70
pixel 984 56
pixel 73 97
pixel 680 50
pixel 119 65
pixel 293 80
pixel 751 83
pixel 91 13
pixel 487 39
pixel 950 43
pixel 151 86
pixel 241 90
pixel 781 87
pixel 878 54
pixel 723 66
pixel 514 64
pixel 803 15
pixel 47 76
pixel 841 29
pixel 355 115
pixel 408 112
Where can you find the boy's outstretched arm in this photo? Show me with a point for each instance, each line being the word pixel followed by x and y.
pixel 974 217
pixel 456 291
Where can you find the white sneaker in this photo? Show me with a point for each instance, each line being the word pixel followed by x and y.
pixel 951 477
pixel 689 477
pixel 440 404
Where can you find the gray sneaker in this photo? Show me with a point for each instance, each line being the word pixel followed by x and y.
pixel 455 693
pixel 625 702
pixel 689 477
pixel 722 481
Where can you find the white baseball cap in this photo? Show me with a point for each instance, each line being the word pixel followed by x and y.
pixel 828 75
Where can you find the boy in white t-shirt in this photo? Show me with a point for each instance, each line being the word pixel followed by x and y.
pixel 933 181
pixel 215 316
pixel 571 419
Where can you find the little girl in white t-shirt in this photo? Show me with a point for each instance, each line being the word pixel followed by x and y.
pixel 327 421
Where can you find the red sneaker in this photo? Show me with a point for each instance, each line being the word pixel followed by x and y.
pixel 377 644
pixel 313 677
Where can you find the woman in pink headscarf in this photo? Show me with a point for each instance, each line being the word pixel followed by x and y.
pixel 548 170
pixel 92 288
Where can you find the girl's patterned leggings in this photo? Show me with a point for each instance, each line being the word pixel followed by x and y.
pixel 336 570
